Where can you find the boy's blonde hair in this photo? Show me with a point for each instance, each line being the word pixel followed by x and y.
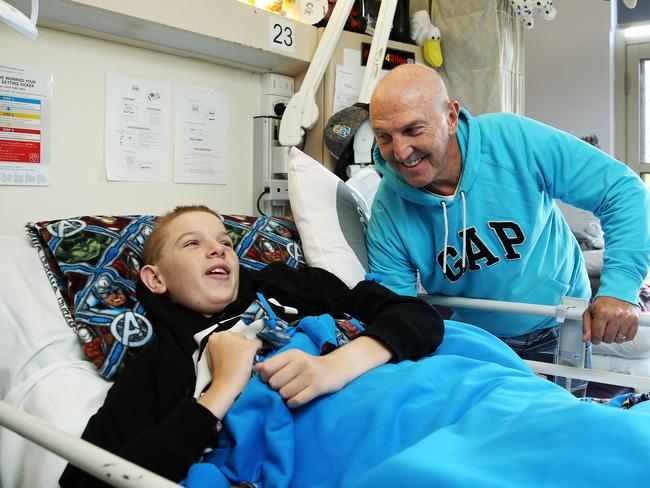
pixel 154 244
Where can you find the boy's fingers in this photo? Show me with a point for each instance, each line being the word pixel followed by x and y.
pixel 284 375
pixel 302 397
pixel 293 387
pixel 272 365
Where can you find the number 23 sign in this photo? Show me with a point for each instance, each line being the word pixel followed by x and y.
pixel 282 34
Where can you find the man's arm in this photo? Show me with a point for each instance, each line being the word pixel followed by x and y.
pixel 582 175
pixel 230 358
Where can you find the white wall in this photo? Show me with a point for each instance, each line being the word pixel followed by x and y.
pixel 78 183
pixel 568 76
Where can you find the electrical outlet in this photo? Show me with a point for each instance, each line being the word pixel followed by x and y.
pixel 273 105
pixel 274 84
pixel 278 189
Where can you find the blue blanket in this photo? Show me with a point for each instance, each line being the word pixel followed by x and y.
pixel 471 414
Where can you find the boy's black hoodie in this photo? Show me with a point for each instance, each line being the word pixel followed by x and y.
pixel 149 416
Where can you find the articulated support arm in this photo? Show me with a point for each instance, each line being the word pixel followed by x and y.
pixel 302 112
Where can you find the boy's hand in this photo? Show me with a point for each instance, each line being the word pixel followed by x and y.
pixel 300 377
pixel 230 358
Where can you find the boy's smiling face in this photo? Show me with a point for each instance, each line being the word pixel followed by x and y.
pixel 197 265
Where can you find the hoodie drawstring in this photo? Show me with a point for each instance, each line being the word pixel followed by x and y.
pixel 464 245
pixel 462 197
pixel 444 249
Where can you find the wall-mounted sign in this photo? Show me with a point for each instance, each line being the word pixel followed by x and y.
pixel 25 125
pixel 282 34
pixel 392 57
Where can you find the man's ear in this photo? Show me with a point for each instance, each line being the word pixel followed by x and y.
pixel 152 279
pixel 452 116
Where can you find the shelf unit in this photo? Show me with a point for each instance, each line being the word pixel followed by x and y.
pixel 225 32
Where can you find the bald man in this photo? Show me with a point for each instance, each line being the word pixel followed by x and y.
pixel 468 202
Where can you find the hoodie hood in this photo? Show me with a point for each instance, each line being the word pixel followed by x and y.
pixel 177 324
pixel 470 160
pixel 173 323
pixel 470 163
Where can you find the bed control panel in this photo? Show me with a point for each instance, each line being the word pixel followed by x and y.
pixel 571 347
pixel 270 185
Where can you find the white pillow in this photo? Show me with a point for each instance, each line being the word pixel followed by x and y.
pixel 331 218
pixel 593 261
pixel 33 331
pixel 365 181
pixel 42 369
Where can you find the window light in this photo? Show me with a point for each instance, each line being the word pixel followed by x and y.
pixel 637 31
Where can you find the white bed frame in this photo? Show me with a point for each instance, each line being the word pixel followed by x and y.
pixel 119 472
pixel 569 314
pixel 104 465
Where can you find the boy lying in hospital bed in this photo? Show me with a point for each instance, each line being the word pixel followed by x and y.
pixel 190 281
pixel 454 418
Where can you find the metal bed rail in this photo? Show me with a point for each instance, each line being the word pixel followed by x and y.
pixel 561 312
pixel 102 464
pixel 571 351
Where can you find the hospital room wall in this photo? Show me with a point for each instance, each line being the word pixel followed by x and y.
pixel 78 184
pixel 569 73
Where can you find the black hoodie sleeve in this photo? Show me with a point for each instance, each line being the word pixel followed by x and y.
pixel 148 420
pixel 408 326
pixel 149 416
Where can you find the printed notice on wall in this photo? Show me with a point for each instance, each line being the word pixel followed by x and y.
pixel 25 125
pixel 137 129
pixel 201 136
pixel 349 78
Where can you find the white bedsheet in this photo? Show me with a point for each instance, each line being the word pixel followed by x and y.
pixel 628 358
pixel 42 370
pixel 614 364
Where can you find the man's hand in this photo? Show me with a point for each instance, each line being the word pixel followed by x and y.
pixel 300 377
pixel 230 358
pixel 610 320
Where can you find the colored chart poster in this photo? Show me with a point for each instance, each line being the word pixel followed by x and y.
pixel 25 125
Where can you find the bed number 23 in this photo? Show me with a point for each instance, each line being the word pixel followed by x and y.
pixel 282 35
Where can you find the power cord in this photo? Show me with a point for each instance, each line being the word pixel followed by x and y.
pixel 259 199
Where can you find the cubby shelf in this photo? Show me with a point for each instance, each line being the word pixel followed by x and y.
pixel 221 31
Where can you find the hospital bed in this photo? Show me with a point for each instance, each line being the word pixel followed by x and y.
pixel 45 375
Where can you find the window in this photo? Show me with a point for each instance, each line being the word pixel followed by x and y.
pixel 638 109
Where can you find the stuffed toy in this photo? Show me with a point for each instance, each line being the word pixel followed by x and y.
pixel 355 22
pixel 524 9
pixel 427 35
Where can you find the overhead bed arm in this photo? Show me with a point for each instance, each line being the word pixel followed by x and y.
pixel 301 112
